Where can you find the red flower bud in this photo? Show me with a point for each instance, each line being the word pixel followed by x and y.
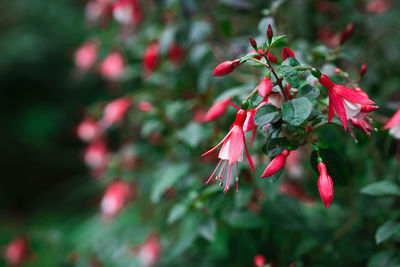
pixel 225 67
pixel 151 57
pixel 286 52
pixel 276 164
pixel 217 110
pixel 346 33
pixel 325 185
pixel 271 58
pixel 259 261
pixel 265 87
pixel 363 69
pixel 326 81
pixel 270 33
pixel 175 53
pixel 253 42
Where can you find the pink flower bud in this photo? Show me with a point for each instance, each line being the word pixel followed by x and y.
pixel 95 154
pixel 259 261
pixel 87 130
pixel 217 110
pixel 113 66
pixel 115 110
pixel 127 12
pixel 286 52
pixel 150 251
pixel 325 185
pixel 114 198
pixel 379 6
pixel 17 251
pixel 225 67
pixel 276 164
pixel 145 106
pixel 253 42
pixel 363 69
pixel 260 51
pixel 86 55
pixel 151 57
pixel 271 58
pixel 265 87
pixel 346 33
pixel 175 53
pixel 270 33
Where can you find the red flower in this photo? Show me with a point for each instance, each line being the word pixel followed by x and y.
pixel 127 12
pixel 394 125
pixel 265 87
pixel 276 164
pixel 86 55
pixel 226 67
pixel 145 106
pixel 151 57
pixel 95 154
pixel 175 53
pixel 149 251
pixel 113 66
pixel 286 52
pixel 260 51
pixel 87 130
pixel 249 123
pixel 114 198
pixel 344 101
pixel 115 110
pixel 379 6
pixel 231 151
pixel 325 185
pixel 216 110
pixel 271 58
pixel 17 251
pixel 259 261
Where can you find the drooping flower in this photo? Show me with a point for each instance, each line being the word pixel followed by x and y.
pixel 17 251
pixel 87 130
pixel 217 110
pixel 276 164
pixel 286 53
pixel 344 101
pixel 113 66
pixel 259 261
pixel 95 154
pixel 325 184
pixel 115 110
pixel 151 57
pixel 231 152
pixel 226 67
pixel 114 198
pixel 265 87
pixel 394 125
pixel 127 12
pixel 86 55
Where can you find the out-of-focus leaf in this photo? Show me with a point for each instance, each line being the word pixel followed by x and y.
pixel 208 229
pixel 277 39
pixel 243 196
pixel 383 188
pixel 244 219
pixel 386 230
pixel 192 134
pixel 176 213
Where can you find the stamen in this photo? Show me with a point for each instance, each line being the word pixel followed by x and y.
pixel 209 179
pixel 228 182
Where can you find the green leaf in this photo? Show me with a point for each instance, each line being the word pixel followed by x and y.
pixel 208 229
pixel 265 114
pixel 275 146
pixel 386 230
pixel 192 134
pixel 309 92
pixel 166 177
pixel 167 37
pixel 335 165
pixel 296 111
pixel 277 39
pixel 381 189
pixel 291 61
pixel 247 57
pixel 176 213
pixel 243 196
pixel 244 219
pixel 290 75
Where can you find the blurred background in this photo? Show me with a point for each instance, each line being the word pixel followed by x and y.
pixel 52 193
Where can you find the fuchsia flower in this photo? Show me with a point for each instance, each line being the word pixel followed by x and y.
pixel 287 52
pixel 113 66
pixel 150 251
pixel 231 152
pixel 217 110
pixel 17 251
pixel 87 130
pixel 115 110
pixel 259 261
pixel 175 53
pixel 86 55
pixel 394 125
pixel 95 154
pixel 114 198
pixel 265 87
pixel 249 123
pixel 276 164
pixel 346 102
pixel 378 6
pixel 226 67
pixel 127 12
pixel 151 57
pixel 325 185
pixel 272 58
pixel 145 106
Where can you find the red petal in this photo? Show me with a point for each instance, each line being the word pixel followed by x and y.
pixel 248 155
pixel 220 143
pixel 236 145
pixel 337 102
pixel 393 121
pixel 352 95
pixel 331 111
